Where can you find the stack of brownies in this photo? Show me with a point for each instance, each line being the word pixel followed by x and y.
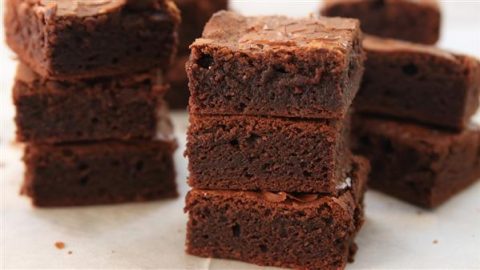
pixel 415 103
pixel 274 182
pixel 88 94
pixel 195 13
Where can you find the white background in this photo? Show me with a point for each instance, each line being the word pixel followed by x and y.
pixel 151 235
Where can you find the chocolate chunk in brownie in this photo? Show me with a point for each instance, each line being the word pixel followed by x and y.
pixel 274 154
pixel 275 66
pixel 122 107
pixel 99 173
pixel 419 82
pixel 177 97
pixel 304 231
pixel 417 164
pixel 83 39
pixel 411 20
pixel 195 14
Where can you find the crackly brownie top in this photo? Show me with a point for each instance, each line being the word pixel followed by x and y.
pixel 85 8
pixel 228 29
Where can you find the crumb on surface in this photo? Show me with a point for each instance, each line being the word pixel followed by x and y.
pixel 59 245
pixel 435 241
pixel 70 252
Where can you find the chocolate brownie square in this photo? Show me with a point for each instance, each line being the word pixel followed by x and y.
pixel 275 66
pixel 411 20
pixel 125 107
pixel 420 165
pixel 302 231
pixel 195 14
pixel 274 154
pixel 177 97
pixel 99 173
pixel 420 83
pixel 85 39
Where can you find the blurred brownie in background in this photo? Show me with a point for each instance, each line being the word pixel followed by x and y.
pixel 419 82
pixel 418 164
pixel 99 172
pixel 195 14
pixel 121 107
pixel 85 39
pixel 412 20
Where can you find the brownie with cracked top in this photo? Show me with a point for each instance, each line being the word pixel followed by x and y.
pixel 419 82
pixel 66 40
pixel 275 66
pixel 302 231
pixel 411 20
pixel 108 172
pixel 261 153
pixel 121 107
pixel 420 165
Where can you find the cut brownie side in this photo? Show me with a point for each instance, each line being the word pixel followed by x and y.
pixel 85 39
pixel 99 173
pixel 106 108
pixel 275 66
pixel 195 14
pixel 416 21
pixel 274 154
pixel 419 83
pixel 417 164
pixel 304 231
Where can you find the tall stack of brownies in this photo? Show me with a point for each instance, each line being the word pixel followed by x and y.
pixel 274 182
pixel 88 94
pixel 195 13
pixel 415 103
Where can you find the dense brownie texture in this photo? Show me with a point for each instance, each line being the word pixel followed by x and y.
pixel 99 173
pixel 195 14
pixel 65 39
pixel 420 83
pixel 302 231
pixel 411 20
pixel 274 154
pixel 275 66
pixel 420 165
pixel 123 107
pixel 177 97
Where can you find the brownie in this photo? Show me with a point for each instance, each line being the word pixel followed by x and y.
pixel 195 14
pixel 275 66
pixel 83 39
pixel 177 97
pixel 261 153
pixel 419 82
pixel 411 20
pixel 302 231
pixel 99 173
pixel 125 107
pixel 420 165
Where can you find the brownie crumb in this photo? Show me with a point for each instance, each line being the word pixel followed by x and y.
pixel 435 242
pixel 70 252
pixel 59 245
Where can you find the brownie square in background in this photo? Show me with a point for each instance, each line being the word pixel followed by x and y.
pixel 122 107
pixel 85 39
pixel 420 83
pixel 305 231
pixel 411 20
pixel 99 173
pixel 274 154
pixel 275 66
pixel 417 164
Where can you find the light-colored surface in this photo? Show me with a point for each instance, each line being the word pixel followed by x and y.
pixel 151 235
